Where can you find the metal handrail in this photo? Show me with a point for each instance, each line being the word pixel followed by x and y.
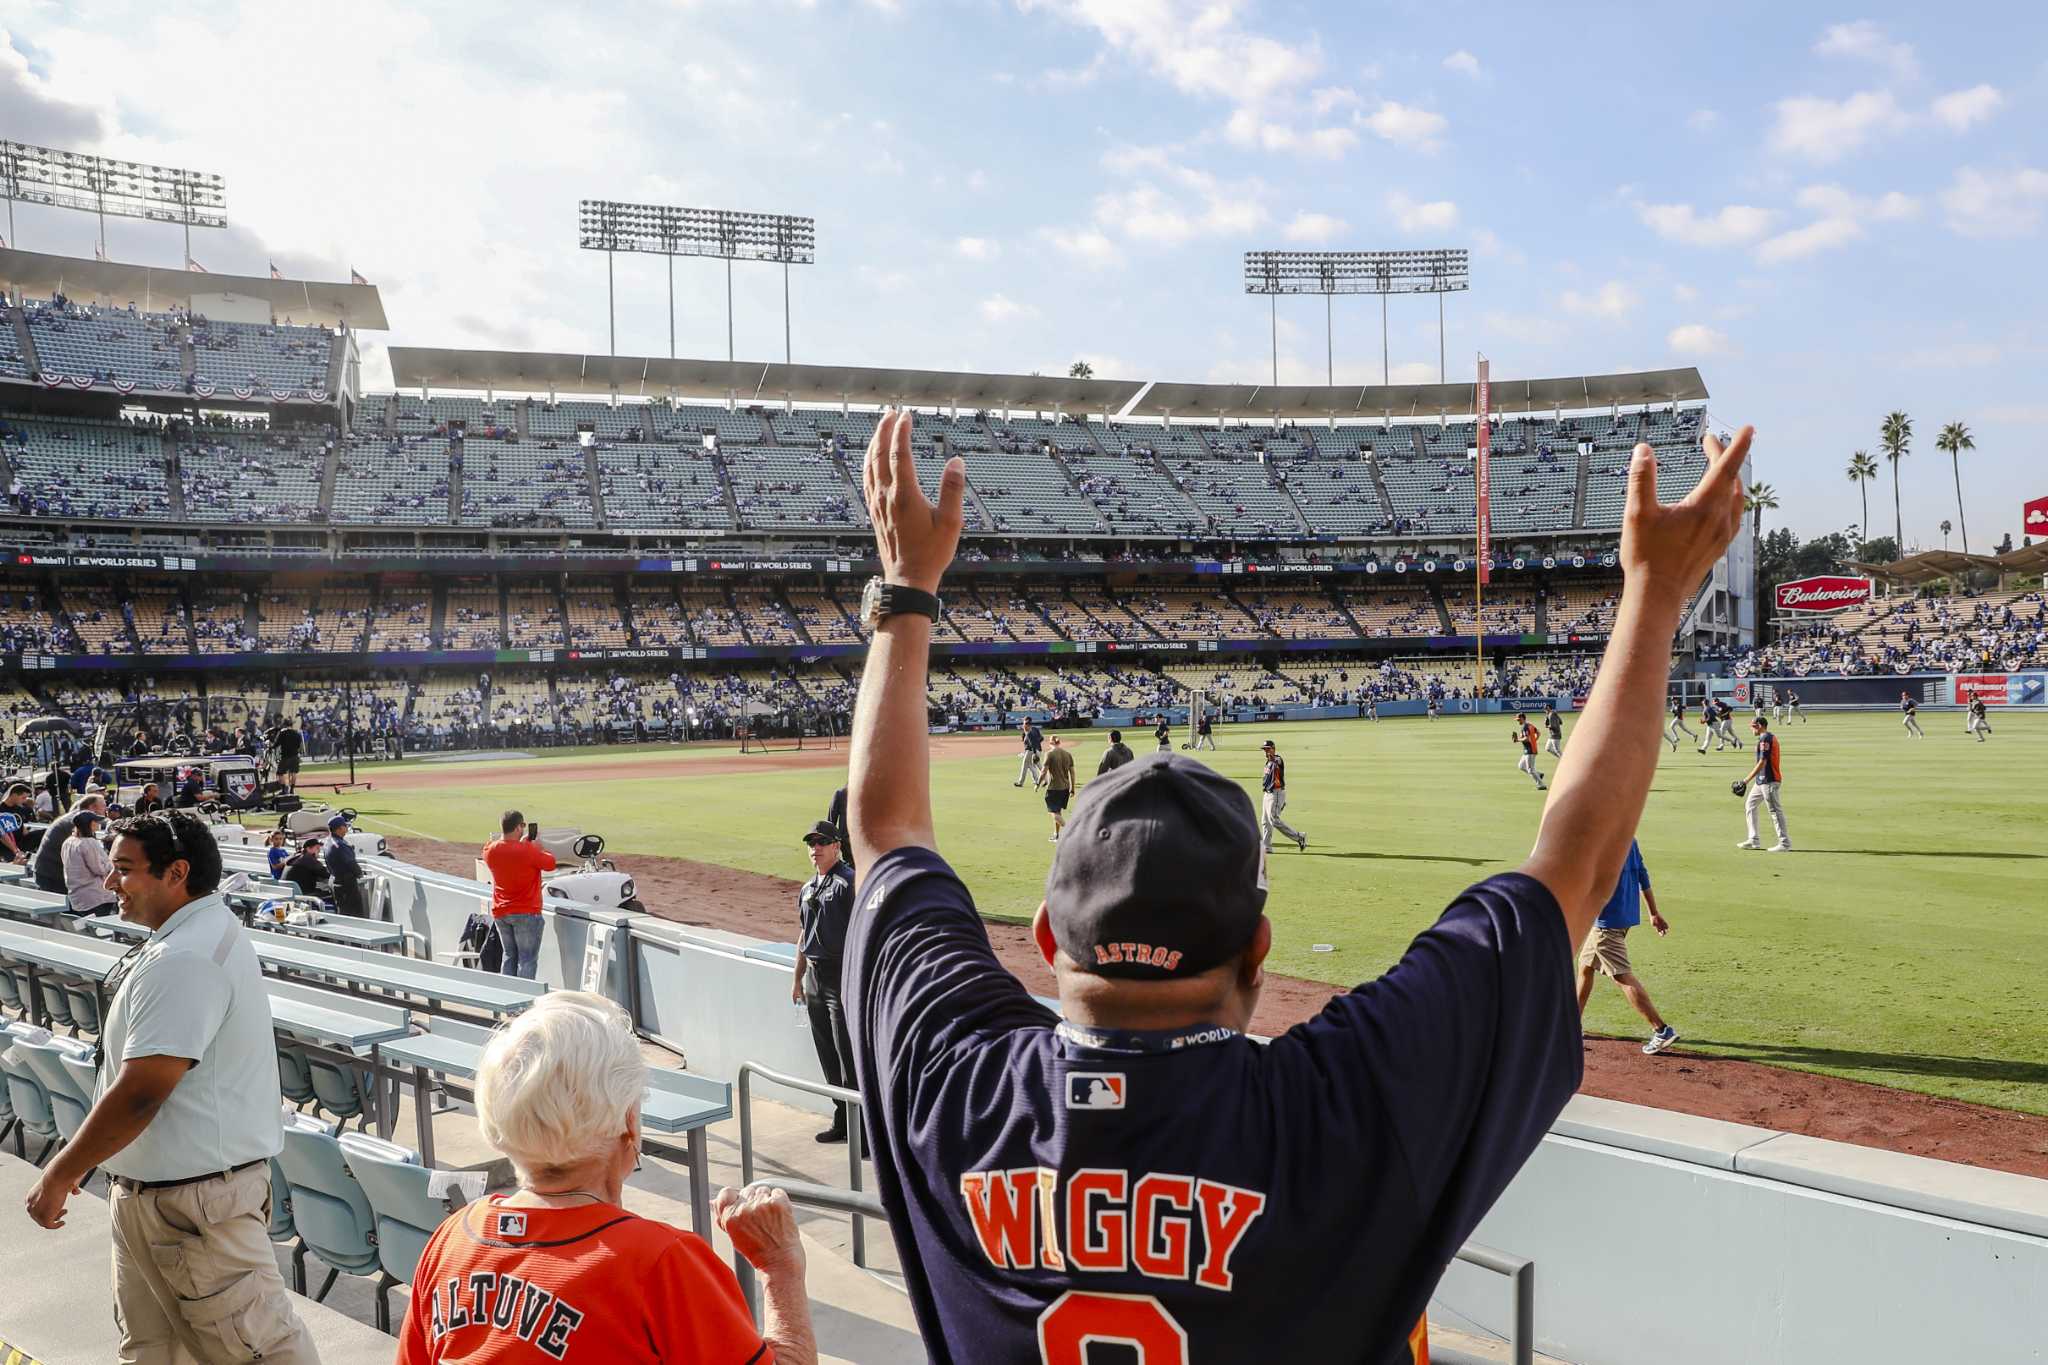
pixel 806 1195
pixel 854 1136
pixel 1521 1274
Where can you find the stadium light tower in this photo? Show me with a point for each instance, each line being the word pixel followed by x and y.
pixel 660 230
pixel 100 185
pixel 1330 273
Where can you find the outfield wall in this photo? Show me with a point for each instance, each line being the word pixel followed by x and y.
pixel 1656 1235
pixel 1880 691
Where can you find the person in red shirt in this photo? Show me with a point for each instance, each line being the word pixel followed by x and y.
pixel 516 861
pixel 559 1270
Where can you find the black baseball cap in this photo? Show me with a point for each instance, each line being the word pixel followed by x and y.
pixel 1157 874
pixel 821 833
pixel 1267 745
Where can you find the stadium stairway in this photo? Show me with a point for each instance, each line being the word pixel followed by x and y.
pixel 1421 446
pixel 188 358
pixel 1379 486
pixel 1279 482
pixel 596 486
pixel 337 360
pixel 454 482
pixel 1542 612
pixel 1579 492
pixel 24 341
pixel 522 414
pixel 1443 612
pixel 437 618
pixel 1172 481
pixel 330 472
pixel 174 477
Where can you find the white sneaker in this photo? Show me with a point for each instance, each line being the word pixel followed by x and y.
pixel 1779 848
pixel 1749 843
pixel 1661 1039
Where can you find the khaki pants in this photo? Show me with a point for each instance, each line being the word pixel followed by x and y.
pixel 195 1277
pixel 1270 806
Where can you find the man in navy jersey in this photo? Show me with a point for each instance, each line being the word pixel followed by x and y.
pixel 1910 709
pixel 1764 781
pixel 1133 1171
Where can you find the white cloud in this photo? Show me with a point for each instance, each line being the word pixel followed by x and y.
pixel 1405 125
pixel 1249 128
pixel 1462 62
pixel 1865 41
pixel 1842 219
pixel 1995 203
pixel 1000 308
pixel 1331 98
pixel 1088 246
pixel 1826 130
pixel 1317 228
pixel 977 249
pixel 1533 328
pixel 1412 217
pixel 1684 293
pixel 1195 204
pixel 1611 301
pixel 1696 339
pixel 1959 109
pixel 1703 120
pixel 1731 226
pixel 1487 242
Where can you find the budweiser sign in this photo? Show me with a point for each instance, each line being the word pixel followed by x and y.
pixel 1823 593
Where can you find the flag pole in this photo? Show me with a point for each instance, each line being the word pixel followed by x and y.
pixel 1482 530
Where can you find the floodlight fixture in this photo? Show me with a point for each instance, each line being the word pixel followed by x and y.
pixel 102 185
pixel 611 226
pixel 1437 271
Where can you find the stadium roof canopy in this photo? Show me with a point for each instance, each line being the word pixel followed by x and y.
pixel 1929 565
pixel 1413 400
pixel 36 275
pixel 415 367
pixel 2026 559
pixel 748 381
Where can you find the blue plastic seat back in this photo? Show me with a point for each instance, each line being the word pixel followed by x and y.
pixel 335 1087
pixel 12 991
pixel 397 1188
pixel 328 1207
pixel 82 1004
pixel 26 1095
pixel 294 1076
pixel 281 1227
pixel 55 1002
pixel 68 1104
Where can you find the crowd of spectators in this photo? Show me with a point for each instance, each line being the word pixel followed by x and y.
pixel 2002 632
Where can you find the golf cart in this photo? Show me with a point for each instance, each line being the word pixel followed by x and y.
pixel 230 781
pixel 595 881
pixel 312 818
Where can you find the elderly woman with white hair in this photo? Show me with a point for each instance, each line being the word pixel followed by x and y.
pixel 559 1270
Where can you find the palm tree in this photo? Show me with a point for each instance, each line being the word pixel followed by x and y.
pixel 1757 499
pixel 1862 469
pixel 1080 369
pixel 1955 438
pixel 1946 527
pixel 1895 438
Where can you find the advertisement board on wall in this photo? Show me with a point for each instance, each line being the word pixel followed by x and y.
pixel 2001 689
pixel 1823 592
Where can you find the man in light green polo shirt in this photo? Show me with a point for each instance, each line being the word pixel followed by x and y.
pixel 186 1118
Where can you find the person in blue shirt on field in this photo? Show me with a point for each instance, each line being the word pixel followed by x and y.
pixel 1606 947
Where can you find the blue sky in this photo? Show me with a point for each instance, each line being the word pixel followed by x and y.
pixel 1831 213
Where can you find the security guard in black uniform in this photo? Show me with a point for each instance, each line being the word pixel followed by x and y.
pixel 824 909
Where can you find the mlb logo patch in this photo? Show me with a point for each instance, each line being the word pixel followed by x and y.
pixel 511 1225
pixel 1095 1090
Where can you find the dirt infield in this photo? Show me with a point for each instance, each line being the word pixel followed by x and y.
pixel 625 765
pixel 715 897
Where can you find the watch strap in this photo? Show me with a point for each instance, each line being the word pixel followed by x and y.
pixel 898 599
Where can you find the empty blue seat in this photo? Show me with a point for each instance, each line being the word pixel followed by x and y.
pixel 80 1002
pixel 12 991
pixel 294 1076
pixel 26 1095
pixel 396 1185
pixel 329 1209
pixel 69 1101
pixel 337 1090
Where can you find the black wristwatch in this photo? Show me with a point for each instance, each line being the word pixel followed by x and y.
pixel 894 599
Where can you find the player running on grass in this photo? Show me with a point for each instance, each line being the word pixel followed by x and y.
pixel 1525 737
pixel 1607 949
pixel 1273 800
pixel 1208 1224
pixel 1554 723
pixel 1792 705
pixel 1677 725
pixel 1909 711
pixel 1029 767
pixel 1979 723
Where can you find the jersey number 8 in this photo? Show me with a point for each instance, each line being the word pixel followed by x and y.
pixel 1075 1321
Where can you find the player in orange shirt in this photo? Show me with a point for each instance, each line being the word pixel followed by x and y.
pixel 558 1270
pixel 1526 736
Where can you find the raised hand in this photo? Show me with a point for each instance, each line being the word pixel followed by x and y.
pixel 914 538
pixel 1668 549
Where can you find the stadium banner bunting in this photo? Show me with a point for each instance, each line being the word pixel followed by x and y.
pixel 1484 491
pixel 2034 518
pixel 1823 593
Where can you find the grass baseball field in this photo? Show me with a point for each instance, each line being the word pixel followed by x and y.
pixel 1903 943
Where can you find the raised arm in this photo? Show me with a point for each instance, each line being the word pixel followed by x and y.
pixel 1597 796
pixel 888 792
